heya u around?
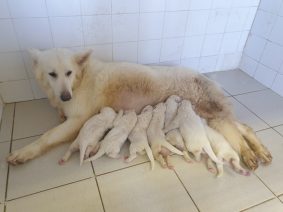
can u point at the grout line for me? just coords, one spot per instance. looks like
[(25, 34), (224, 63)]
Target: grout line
[(258, 204), (251, 92)]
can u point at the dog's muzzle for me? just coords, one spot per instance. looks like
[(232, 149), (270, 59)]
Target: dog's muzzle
[(65, 96)]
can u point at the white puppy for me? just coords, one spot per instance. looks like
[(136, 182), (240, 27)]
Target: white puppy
[(192, 130), (90, 134), (224, 152), (116, 137), (138, 136), (174, 136), (156, 137)]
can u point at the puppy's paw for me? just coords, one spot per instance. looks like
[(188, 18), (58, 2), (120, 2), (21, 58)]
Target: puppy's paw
[(61, 162)]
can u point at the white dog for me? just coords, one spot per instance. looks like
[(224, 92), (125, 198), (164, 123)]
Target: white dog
[(174, 136), (138, 136), (90, 134), (192, 130), (156, 137), (116, 137), (224, 152)]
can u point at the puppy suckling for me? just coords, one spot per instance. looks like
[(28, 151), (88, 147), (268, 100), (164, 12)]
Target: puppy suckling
[(138, 136), (116, 137), (224, 152), (90, 134), (192, 131), (156, 137), (174, 136)]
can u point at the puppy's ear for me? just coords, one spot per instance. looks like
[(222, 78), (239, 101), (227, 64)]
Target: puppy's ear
[(82, 58), (34, 54)]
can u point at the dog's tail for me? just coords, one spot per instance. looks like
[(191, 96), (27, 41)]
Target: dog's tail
[(100, 153), (211, 154), (172, 148), (150, 156)]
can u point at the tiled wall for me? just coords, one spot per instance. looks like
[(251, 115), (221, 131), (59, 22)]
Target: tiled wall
[(263, 54), (207, 35)]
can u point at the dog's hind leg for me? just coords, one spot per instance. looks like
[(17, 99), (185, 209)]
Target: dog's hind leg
[(260, 150)]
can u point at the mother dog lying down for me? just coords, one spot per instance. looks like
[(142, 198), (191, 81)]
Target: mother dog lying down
[(79, 86)]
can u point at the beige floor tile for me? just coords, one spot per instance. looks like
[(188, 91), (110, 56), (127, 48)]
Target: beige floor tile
[(231, 192), (44, 172), (34, 118), (226, 93), (76, 197), (106, 164), (273, 205), (279, 129), (1, 208), (7, 123), (265, 104), (4, 151), (272, 175), (236, 82), (281, 198), (247, 117), (138, 189)]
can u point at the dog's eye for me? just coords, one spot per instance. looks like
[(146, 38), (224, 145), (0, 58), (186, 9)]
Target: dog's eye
[(53, 74), (68, 73)]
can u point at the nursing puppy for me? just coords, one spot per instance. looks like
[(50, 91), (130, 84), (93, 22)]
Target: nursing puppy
[(90, 134), (160, 147), (138, 136), (192, 130), (174, 136), (224, 152), (116, 137)]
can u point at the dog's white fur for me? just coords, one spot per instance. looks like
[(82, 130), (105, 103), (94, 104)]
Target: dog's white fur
[(116, 137), (93, 85), (138, 136), (174, 136), (90, 134), (156, 137), (192, 130)]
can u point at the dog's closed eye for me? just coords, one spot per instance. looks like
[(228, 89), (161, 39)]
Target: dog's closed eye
[(68, 73), (53, 74)]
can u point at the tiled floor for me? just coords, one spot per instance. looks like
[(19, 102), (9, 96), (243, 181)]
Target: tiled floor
[(114, 186)]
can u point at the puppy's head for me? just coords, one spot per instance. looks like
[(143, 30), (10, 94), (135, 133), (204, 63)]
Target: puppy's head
[(59, 70)]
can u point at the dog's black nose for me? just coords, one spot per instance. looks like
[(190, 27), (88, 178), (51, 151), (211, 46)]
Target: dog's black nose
[(65, 96)]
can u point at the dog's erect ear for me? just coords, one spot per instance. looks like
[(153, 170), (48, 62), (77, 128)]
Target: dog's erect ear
[(34, 54), (82, 58)]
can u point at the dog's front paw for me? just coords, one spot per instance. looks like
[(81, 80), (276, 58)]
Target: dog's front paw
[(264, 156), (20, 156), (250, 159)]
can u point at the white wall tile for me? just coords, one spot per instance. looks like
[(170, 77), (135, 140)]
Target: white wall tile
[(150, 26), (254, 47), (276, 34), (149, 51), (230, 42), (11, 67), (278, 84), (101, 51), (175, 24), (219, 4), (174, 5), (37, 90), (271, 6), (243, 40), (192, 63), (245, 3), (28, 64), (67, 31), (200, 4), (15, 91), (272, 56), (208, 64), (237, 19), (27, 8), (125, 51), (280, 13), (97, 29), (4, 10), (8, 40), (125, 27), (217, 21), (197, 21), (33, 33), (152, 6), (262, 24), (125, 6), (248, 65), (63, 7), (192, 46), (265, 75), (93, 7), (171, 49), (281, 69), (211, 45), (250, 18), (228, 61)]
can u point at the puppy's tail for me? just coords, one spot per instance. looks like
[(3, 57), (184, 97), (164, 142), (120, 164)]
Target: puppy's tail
[(100, 153), (172, 148), (150, 156), (211, 154)]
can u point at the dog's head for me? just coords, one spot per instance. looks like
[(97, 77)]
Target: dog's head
[(58, 70)]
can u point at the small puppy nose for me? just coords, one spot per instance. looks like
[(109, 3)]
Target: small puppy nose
[(65, 96)]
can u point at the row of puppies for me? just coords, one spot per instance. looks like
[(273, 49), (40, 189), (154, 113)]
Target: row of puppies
[(170, 127)]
